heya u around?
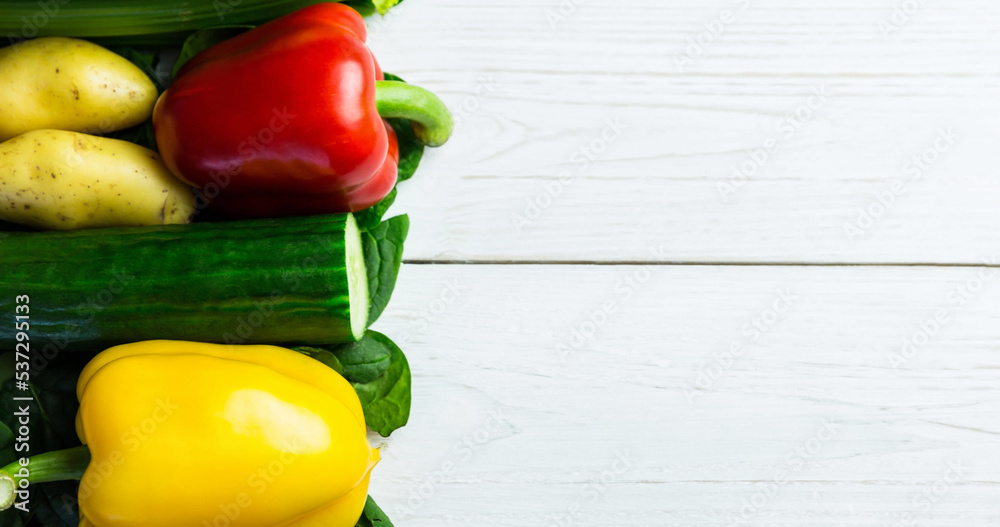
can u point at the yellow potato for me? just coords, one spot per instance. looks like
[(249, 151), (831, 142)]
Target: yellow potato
[(70, 84), (53, 179)]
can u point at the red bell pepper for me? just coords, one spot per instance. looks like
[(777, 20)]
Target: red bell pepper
[(287, 118)]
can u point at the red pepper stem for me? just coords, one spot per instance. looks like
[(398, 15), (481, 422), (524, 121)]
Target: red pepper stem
[(59, 465), (432, 121)]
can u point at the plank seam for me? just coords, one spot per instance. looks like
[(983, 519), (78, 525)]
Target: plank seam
[(696, 263)]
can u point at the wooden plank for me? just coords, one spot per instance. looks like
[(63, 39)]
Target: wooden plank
[(649, 421), (533, 102)]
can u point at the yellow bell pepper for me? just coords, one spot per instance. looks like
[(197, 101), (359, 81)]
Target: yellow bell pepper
[(185, 434)]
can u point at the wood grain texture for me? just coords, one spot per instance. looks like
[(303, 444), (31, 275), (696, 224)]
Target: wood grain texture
[(596, 395), (533, 93), (699, 431)]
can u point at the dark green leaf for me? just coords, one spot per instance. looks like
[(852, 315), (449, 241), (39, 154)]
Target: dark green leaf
[(370, 217), (364, 7), (322, 355), (364, 360), (140, 134), (373, 516), (204, 39), (53, 412), (386, 400), (57, 504), (11, 518), (380, 375), (7, 359), (7, 453), (6, 436), (53, 427), (383, 246), (411, 151)]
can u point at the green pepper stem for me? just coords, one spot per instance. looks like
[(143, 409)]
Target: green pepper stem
[(432, 121), (51, 466)]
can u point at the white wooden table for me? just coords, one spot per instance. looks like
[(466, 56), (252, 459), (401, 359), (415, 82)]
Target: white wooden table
[(701, 263)]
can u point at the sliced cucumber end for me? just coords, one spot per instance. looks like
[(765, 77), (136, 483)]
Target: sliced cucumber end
[(7, 491), (357, 278)]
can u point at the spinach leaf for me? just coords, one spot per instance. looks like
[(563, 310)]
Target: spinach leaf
[(383, 247), (411, 151), (365, 360), (12, 518), (324, 356), (372, 516), (141, 134), (370, 217), (6, 436), (53, 421), (364, 7), (386, 399), (204, 39), (380, 375), (53, 410), (56, 504)]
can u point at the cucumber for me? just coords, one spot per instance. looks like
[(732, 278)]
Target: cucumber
[(150, 22), (278, 281), (142, 23)]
